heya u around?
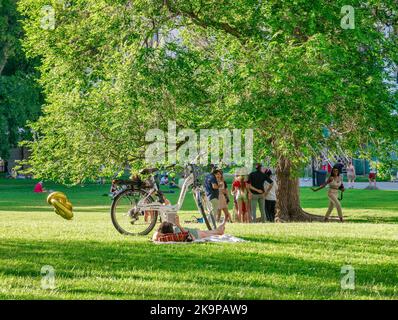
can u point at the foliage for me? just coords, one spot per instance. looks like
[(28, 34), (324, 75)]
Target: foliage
[(286, 69), (20, 96), (9, 31)]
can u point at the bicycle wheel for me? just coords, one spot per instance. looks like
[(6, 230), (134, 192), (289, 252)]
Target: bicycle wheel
[(125, 216)]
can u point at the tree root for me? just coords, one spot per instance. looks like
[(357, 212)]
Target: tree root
[(299, 215)]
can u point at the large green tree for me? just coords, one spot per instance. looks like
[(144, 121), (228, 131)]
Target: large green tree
[(287, 69), (20, 95)]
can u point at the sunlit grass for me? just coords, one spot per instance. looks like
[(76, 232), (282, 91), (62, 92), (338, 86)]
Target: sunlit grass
[(279, 261)]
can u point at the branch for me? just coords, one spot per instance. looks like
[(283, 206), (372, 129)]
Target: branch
[(205, 24)]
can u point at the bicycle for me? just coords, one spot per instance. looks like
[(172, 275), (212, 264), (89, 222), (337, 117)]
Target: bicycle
[(138, 204)]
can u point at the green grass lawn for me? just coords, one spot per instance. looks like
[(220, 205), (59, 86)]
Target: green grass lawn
[(279, 261)]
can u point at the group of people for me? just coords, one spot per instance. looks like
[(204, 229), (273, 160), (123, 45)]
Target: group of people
[(350, 171), (247, 191), (170, 181)]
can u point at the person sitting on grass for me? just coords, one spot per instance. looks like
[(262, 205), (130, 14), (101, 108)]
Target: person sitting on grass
[(39, 188), (172, 183), (167, 232)]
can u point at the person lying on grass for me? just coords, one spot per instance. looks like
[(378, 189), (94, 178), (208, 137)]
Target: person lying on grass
[(168, 233)]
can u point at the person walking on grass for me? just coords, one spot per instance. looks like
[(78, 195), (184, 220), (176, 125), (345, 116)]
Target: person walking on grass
[(223, 200), (335, 183), (167, 232), (256, 184)]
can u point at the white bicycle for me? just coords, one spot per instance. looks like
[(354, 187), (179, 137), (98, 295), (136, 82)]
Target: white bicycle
[(138, 204)]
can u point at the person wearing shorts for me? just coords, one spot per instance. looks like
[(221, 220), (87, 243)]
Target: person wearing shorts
[(240, 190)]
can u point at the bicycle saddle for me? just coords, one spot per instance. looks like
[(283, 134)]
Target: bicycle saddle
[(149, 170)]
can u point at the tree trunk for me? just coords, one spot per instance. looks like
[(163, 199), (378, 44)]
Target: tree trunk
[(288, 207)]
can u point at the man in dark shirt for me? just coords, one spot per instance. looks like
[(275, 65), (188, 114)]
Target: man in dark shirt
[(256, 182), (212, 192)]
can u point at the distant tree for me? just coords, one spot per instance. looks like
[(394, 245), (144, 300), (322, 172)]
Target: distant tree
[(20, 95)]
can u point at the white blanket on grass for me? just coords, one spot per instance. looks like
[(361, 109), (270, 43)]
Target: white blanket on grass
[(223, 238)]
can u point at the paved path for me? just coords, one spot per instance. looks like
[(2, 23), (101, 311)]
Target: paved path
[(359, 185)]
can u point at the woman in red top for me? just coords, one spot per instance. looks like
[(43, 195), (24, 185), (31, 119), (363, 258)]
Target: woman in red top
[(39, 188), (241, 192), (372, 178)]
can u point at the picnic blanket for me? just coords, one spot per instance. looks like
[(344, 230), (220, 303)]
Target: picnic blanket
[(224, 238)]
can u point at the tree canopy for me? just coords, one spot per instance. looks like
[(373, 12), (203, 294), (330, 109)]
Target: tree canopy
[(111, 70)]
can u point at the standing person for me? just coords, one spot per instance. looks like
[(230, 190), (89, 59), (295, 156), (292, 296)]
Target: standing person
[(351, 175), (240, 190), (270, 189), (213, 192), (236, 216), (256, 185), (223, 200), (335, 183)]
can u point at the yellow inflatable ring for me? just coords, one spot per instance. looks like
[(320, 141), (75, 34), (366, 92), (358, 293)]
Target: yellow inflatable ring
[(61, 204)]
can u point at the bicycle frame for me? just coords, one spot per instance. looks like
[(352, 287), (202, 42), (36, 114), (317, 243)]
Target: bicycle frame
[(162, 208), (153, 201)]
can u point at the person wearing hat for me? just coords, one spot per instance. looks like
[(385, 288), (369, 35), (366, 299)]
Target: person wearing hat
[(256, 184)]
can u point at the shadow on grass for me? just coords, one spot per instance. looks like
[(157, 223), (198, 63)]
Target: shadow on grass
[(210, 265)]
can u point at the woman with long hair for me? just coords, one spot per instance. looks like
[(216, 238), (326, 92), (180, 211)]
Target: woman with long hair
[(240, 190), (335, 183)]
